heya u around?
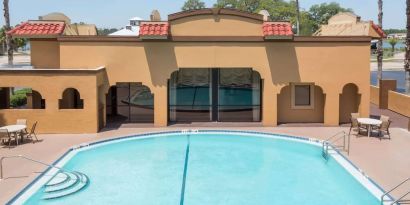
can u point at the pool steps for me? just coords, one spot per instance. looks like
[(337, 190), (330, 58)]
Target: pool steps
[(60, 178), (64, 184)]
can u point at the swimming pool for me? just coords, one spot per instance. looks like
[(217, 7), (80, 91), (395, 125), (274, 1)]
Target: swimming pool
[(209, 167)]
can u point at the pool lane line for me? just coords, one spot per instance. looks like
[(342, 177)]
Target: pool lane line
[(181, 202)]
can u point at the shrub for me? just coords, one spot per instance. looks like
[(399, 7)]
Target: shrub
[(19, 98)]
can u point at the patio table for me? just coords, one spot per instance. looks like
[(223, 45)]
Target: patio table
[(369, 122), (14, 129)]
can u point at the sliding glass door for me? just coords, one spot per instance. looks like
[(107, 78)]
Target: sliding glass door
[(239, 96), (189, 95), (205, 94), (130, 102)]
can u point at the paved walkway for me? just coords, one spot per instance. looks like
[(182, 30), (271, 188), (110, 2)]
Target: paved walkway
[(386, 161), (397, 119)]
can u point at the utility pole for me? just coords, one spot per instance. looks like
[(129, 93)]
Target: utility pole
[(297, 18)]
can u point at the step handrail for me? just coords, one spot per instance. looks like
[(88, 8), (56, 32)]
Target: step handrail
[(400, 199), (394, 188), (335, 138), (26, 158)]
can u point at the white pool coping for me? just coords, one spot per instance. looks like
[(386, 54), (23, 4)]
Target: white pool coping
[(358, 174)]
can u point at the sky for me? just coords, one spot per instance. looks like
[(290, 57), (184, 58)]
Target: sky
[(115, 13)]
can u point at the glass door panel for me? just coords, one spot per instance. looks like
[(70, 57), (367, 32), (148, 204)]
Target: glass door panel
[(238, 95), (189, 95), (141, 103), (135, 103)]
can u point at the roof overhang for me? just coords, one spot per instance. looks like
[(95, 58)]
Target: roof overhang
[(324, 39), (38, 29)]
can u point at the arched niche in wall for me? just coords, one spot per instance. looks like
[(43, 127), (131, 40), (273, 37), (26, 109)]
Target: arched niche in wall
[(71, 99), (349, 101)]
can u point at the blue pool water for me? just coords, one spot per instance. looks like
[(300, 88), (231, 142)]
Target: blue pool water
[(220, 169)]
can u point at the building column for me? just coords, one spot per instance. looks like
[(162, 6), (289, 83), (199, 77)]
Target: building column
[(331, 110), (160, 106), (269, 105)]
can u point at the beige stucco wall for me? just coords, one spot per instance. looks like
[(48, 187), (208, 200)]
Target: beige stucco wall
[(45, 53), (216, 25), (374, 95), (330, 65), (287, 114), (399, 103), (51, 86)]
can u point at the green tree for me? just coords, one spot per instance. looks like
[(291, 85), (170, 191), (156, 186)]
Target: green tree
[(193, 5), (393, 42), (105, 31), (244, 5), (16, 42), (392, 30), (281, 10), (19, 43), (321, 13)]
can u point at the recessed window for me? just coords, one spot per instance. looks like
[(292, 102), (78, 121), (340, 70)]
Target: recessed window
[(302, 96)]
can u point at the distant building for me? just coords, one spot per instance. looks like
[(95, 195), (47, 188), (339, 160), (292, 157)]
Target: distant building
[(70, 29), (349, 24), (132, 29), (400, 36)]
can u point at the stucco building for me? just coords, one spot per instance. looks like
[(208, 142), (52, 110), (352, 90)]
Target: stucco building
[(203, 65)]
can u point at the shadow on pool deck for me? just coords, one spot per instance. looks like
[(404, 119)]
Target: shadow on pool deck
[(397, 119)]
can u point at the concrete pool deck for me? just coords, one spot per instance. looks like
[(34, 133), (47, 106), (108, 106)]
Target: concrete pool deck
[(386, 161)]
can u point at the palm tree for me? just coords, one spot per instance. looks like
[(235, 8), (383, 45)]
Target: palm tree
[(393, 42), (7, 28), (380, 43), (407, 58), (297, 17)]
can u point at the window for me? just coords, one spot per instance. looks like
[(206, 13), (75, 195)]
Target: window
[(302, 96), (134, 23), (20, 98)]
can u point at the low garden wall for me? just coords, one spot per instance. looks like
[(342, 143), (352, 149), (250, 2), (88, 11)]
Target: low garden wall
[(399, 103), (374, 95)]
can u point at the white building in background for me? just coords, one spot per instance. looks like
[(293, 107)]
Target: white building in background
[(400, 36), (132, 29)]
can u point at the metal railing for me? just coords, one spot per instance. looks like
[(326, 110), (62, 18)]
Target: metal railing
[(332, 141), (400, 199), (26, 158)]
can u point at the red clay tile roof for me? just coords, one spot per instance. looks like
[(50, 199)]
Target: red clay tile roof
[(160, 29), (38, 28), (378, 30), (280, 29)]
